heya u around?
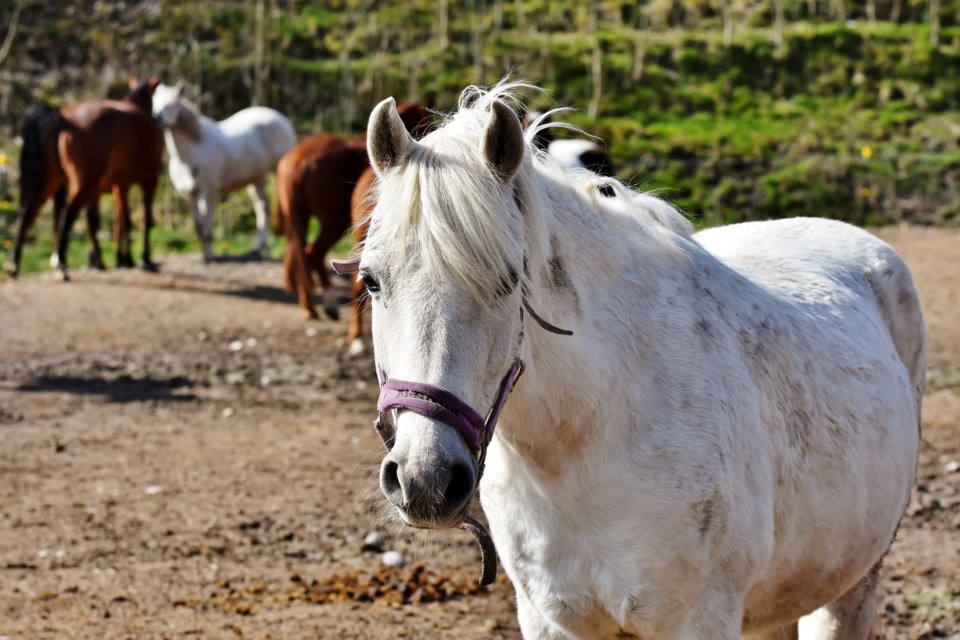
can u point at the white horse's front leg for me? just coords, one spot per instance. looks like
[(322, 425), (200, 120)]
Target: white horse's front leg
[(534, 626), (258, 196), (202, 207)]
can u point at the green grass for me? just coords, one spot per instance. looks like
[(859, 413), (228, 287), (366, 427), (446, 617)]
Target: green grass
[(164, 242)]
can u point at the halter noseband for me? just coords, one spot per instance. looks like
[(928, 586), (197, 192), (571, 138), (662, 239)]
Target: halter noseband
[(436, 403)]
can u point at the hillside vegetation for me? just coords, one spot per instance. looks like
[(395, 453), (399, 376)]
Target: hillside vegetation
[(735, 109)]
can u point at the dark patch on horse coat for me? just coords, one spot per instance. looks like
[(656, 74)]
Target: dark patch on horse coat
[(710, 512), (559, 280)]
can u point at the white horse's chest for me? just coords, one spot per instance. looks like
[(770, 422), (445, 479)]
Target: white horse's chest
[(183, 178), (590, 572)]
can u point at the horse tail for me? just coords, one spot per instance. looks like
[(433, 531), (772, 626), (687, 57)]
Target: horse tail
[(41, 124)]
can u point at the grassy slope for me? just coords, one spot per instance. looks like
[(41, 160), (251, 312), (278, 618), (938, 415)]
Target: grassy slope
[(845, 121)]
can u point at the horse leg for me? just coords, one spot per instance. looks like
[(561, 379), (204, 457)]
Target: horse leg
[(849, 617), (533, 624), (58, 260), (122, 227), (93, 228), (329, 234), (355, 333), (201, 206), (258, 196), (295, 264), (147, 190), (25, 220)]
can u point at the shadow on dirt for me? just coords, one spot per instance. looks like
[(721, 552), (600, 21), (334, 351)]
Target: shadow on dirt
[(216, 282), (121, 389)]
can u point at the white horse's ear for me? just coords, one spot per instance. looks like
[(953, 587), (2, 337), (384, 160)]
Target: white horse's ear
[(179, 87), (502, 142), (388, 142)]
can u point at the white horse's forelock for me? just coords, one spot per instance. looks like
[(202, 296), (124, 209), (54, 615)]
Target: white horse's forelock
[(450, 204)]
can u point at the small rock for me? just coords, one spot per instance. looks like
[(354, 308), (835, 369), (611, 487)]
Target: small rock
[(228, 412), (236, 345), (265, 381), (202, 336), (952, 466), (311, 332), (251, 342), (373, 542), (154, 489), (393, 559)]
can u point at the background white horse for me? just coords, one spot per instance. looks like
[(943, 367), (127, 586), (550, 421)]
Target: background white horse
[(571, 153), (725, 444), (208, 158)]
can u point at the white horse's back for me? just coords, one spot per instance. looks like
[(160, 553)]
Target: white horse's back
[(788, 250), (260, 126)]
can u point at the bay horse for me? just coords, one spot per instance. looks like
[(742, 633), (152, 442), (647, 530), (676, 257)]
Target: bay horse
[(715, 439), (74, 154), (207, 158), (316, 179)]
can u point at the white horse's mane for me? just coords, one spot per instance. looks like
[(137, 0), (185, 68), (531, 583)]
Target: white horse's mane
[(449, 203)]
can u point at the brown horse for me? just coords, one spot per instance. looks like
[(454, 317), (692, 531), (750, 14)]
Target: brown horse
[(316, 179), (80, 151)]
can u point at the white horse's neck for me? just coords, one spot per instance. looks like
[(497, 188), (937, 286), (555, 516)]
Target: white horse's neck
[(179, 144), (578, 272)]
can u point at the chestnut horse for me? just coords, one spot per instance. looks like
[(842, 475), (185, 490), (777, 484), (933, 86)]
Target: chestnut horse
[(80, 151), (316, 179)]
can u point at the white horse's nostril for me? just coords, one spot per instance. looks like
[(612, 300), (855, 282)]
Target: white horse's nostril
[(428, 496)]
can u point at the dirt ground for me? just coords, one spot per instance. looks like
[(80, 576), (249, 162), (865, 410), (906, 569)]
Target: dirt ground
[(181, 455)]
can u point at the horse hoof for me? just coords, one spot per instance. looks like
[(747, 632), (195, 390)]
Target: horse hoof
[(310, 314), (11, 268), (61, 276), (149, 266), (332, 312), (357, 347)]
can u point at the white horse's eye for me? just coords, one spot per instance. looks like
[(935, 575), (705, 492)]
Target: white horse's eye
[(370, 282)]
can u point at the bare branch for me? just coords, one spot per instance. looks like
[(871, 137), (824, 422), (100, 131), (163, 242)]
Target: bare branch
[(11, 31)]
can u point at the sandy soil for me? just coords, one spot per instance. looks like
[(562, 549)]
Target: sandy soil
[(183, 456)]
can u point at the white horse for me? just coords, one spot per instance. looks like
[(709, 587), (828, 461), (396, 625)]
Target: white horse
[(570, 154), (208, 158), (724, 445)]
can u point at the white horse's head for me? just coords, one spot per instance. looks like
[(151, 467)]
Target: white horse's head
[(173, 111), (444, 264)]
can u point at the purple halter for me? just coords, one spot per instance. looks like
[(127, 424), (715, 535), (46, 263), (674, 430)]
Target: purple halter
[(437, 403)]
